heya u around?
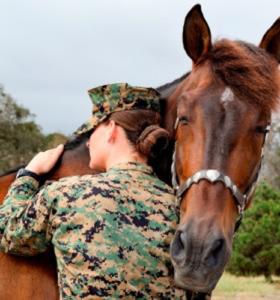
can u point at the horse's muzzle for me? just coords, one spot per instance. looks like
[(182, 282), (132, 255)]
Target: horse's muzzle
[(199, 258)]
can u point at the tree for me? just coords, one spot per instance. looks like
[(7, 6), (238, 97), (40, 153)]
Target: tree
[(257, 244), (20, 137)]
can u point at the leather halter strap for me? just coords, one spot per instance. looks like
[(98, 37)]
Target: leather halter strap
[(214, 176)]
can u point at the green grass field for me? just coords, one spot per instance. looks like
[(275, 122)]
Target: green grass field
[(246, 288)]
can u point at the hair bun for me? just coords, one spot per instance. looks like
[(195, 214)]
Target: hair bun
[(153, 140)]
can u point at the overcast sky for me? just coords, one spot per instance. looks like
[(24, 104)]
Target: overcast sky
[(53, 51)]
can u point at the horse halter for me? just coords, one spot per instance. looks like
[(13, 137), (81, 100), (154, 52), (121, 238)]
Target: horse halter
[(214, 176)]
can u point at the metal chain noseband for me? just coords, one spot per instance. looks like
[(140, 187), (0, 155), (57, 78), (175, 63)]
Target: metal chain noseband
[(214, 176)]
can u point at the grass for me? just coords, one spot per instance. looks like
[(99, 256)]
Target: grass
[(246, 288)]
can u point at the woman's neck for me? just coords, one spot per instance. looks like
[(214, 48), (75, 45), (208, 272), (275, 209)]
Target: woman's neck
[(134, 157)]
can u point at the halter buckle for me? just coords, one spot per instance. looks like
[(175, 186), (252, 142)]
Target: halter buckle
[(239, 221), (241, 210)]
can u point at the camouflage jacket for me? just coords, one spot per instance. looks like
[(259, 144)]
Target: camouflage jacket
[(111, 232)]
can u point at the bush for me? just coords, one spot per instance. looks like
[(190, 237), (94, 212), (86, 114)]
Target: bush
[(257, 244)]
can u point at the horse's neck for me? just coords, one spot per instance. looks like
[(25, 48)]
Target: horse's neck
[(73, 162), (168, 89), (5, 183), (169, 95), (168, 102)]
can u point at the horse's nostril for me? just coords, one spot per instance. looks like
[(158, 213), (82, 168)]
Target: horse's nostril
[(177, 247), (216, 253)]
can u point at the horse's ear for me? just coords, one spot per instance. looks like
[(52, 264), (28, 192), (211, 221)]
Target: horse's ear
[(196, 35), (271, 40)]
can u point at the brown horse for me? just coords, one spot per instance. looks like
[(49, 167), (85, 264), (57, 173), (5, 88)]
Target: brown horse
[(223, 111), (223, 132)]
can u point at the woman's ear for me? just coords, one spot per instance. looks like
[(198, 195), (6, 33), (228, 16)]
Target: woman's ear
[(112, 131)]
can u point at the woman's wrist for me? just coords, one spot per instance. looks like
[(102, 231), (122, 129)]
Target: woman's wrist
[(25, 172)]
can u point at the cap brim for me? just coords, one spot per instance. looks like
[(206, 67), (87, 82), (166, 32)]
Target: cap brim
[(91, 124)]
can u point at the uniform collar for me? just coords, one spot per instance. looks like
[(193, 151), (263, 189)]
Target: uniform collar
[(132, 166)]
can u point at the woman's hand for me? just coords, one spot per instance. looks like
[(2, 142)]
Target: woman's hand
[(43, 162)]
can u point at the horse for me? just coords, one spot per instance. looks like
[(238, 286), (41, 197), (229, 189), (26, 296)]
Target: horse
[(219, 136), (221, 116)]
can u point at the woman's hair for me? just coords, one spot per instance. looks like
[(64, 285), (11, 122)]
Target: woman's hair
[(142, 130)]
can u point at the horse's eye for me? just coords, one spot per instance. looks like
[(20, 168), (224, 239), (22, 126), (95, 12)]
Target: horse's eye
[(260, 130), (184, 120)]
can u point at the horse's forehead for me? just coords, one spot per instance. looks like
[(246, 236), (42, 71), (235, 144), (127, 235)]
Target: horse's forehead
[(204, 93), (227, 96)]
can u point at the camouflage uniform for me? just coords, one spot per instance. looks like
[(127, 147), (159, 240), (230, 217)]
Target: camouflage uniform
[(111, 232)]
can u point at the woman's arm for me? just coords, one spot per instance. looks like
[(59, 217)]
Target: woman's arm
[(24, 215), (24, 218)]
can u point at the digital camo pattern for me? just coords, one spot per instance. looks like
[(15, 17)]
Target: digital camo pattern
[(110, 98), (111, 232)]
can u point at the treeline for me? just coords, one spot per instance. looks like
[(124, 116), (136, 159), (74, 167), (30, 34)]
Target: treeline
[(20, 137)]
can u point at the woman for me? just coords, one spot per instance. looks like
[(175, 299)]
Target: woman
[(111, 232)]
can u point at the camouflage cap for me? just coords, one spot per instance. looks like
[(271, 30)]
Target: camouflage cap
[(111, 98)]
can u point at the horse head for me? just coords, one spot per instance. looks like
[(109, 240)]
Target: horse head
[(222, 112)]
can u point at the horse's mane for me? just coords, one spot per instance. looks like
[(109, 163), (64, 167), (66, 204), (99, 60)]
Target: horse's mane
[(171, 85), (251, 72), (75, 141)]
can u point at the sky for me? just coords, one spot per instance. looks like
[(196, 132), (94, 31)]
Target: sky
[(52, 52)]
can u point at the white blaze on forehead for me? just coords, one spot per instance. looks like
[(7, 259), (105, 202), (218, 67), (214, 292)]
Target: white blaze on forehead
[(227, 96)]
